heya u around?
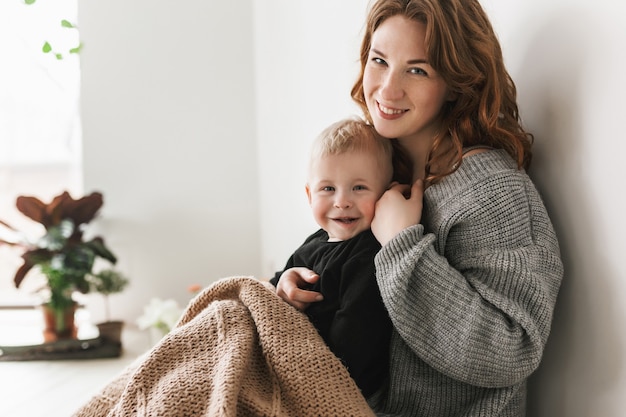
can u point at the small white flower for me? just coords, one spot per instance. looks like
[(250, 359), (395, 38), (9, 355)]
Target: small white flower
[(161, 314)]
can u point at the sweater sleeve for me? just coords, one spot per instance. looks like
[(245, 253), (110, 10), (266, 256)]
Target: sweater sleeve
[(474, 298)]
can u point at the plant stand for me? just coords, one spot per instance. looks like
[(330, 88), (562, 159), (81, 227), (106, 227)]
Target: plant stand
[(62, 349), (21, 339)]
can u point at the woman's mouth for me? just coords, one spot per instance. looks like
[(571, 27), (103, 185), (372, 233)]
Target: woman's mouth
[(389, 112)]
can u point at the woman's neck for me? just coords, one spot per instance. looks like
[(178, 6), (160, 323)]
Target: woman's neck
[(418, 151)]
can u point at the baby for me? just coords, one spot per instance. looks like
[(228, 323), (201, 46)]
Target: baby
[(349, 170)]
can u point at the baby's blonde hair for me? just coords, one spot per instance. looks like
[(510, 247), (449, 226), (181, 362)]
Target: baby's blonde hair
[(350, 135)]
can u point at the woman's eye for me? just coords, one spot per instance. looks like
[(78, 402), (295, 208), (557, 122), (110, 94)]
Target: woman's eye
[(418, 71), (379, 61)]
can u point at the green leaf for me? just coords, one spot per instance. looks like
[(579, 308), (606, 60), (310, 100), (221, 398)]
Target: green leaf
[(77, 49), (98, 247), (67, 24), (46, 48), (107, 282), (29, 1), (59, 56), (57, 236)]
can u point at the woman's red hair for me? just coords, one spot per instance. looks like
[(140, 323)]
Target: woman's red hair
[(463, 48)]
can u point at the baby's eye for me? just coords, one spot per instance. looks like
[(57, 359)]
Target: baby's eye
[(360, 187), (328, 188)]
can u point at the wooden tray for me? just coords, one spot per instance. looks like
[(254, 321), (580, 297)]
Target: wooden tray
[(62, 349)]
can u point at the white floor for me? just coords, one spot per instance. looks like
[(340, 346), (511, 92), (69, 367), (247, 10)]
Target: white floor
[(57, 388)]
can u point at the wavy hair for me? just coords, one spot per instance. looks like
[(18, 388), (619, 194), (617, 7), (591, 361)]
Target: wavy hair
[(463, 48)]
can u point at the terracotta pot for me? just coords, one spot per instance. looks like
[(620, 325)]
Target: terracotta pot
[(111, 331), (59, 324)]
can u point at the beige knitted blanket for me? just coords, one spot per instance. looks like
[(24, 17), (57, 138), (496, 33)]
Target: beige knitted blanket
[(238, 350)]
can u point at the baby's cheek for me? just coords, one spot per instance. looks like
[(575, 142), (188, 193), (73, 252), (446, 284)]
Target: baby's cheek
[(368, 211)]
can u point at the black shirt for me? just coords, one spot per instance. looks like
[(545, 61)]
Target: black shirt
[(352, 318)]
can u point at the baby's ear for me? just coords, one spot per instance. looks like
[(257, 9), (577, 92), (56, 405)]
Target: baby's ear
[(308, 192)]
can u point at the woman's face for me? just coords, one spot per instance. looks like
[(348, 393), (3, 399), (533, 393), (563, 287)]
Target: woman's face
[(403, 93)]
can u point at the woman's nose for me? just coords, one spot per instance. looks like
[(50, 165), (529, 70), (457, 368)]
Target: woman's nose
[(391, 86)]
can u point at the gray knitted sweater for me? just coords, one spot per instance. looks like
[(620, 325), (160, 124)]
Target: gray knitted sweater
[(471, 292)]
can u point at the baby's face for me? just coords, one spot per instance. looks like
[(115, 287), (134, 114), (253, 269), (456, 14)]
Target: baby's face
[(343, 190)]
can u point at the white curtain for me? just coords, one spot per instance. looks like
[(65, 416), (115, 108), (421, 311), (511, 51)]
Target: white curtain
[(40, 132)]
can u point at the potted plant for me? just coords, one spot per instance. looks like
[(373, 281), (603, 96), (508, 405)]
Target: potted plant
[(107, 282), (62, 254)]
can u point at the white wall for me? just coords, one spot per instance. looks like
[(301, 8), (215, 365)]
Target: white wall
[(169, 138), (306, 61), (567, 58), (170, 106)]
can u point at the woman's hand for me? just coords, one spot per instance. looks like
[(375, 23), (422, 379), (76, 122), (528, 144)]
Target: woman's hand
[(290, 287), (394, 212)]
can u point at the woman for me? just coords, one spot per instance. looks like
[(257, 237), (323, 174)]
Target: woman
[(470, 266)]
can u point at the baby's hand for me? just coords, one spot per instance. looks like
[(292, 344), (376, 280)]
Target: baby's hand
[(291, 287)]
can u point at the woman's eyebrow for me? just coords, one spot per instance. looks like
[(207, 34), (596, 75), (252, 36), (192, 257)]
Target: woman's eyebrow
[(410, 62)]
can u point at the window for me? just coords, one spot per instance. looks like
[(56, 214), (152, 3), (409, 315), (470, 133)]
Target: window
[(40, 131)]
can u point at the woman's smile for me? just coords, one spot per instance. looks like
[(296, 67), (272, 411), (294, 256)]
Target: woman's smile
[(388, 111)]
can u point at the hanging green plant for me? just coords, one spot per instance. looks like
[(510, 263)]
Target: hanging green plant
[(47, 47)]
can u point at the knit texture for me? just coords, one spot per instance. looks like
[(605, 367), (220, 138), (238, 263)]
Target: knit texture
[(238, 350), (471, 293)]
